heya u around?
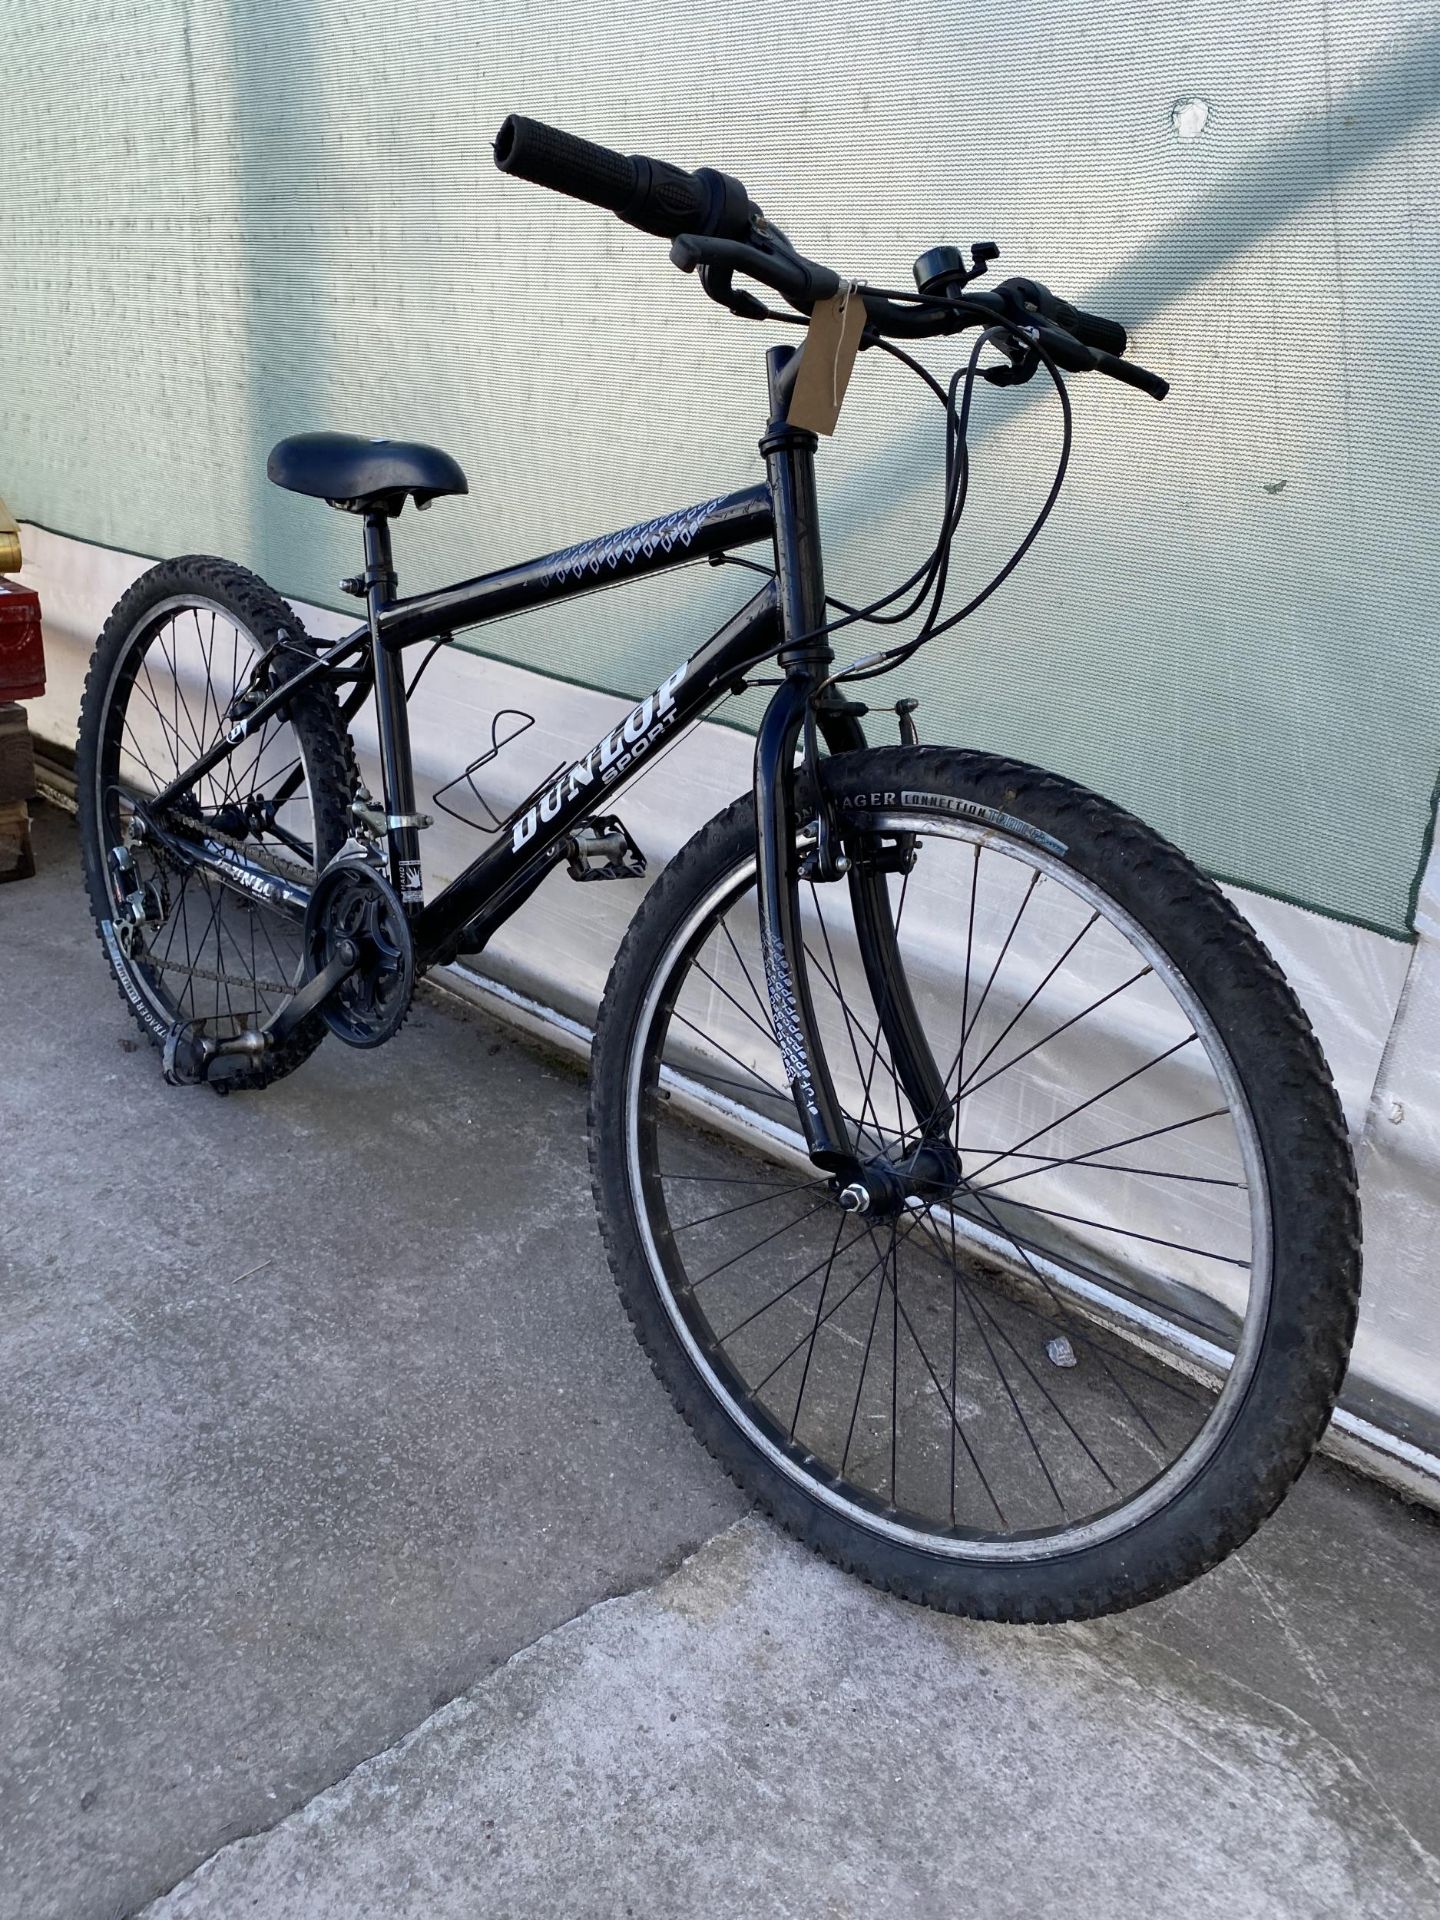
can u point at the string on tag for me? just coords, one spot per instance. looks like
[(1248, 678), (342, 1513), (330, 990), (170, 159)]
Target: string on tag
[(847, 287)]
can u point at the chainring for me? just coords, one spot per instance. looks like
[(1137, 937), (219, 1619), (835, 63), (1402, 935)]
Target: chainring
[(354, 899)]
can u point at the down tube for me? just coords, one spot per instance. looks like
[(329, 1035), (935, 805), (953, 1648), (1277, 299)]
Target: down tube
[(492, 887)]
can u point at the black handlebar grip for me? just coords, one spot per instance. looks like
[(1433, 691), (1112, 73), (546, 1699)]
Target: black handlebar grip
[(532, 151), (649, 194), (1106, 336)]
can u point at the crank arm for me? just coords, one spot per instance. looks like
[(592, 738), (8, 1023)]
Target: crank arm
[(190, 1057), (315, 990)]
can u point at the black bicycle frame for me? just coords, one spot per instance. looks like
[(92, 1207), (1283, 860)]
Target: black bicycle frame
[(783, 621)]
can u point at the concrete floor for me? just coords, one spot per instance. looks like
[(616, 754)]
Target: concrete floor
[(326, 1456)]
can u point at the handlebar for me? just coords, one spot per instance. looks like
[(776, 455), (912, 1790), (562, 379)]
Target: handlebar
[(716, 228), (648, 194)]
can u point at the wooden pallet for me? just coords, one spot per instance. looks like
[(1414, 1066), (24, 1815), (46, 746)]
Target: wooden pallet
[(17, 784)]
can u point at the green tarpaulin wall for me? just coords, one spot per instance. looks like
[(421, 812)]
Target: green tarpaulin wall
[(223, 223)]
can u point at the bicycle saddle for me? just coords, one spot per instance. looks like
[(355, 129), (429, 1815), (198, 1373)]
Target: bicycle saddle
[(364, 476)]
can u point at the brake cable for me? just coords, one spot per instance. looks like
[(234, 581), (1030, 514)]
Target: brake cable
[(870, 666), (929, 580)]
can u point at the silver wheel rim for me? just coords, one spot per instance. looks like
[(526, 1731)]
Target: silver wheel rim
[(137, 643)]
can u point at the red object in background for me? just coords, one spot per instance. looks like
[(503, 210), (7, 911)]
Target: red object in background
[(22, 651)]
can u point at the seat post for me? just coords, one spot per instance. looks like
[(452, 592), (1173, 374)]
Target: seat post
[(379, 560), (392, 720)]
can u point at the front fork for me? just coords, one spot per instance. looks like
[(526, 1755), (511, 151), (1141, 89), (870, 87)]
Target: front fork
[(806, 657), (779, 821)]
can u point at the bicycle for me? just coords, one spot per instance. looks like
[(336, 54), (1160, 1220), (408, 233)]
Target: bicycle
[(1006, 1252)]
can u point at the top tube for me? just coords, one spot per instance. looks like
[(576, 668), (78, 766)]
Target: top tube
[(672, 540)]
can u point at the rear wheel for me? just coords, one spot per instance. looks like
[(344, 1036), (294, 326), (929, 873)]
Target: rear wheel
[(1086, 1371), (185, 948)]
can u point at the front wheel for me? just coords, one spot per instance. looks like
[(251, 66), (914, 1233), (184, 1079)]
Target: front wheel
[(1090, 1367)]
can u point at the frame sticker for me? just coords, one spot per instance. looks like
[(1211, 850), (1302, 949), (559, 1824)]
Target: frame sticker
[(608, 758), (612, 550)]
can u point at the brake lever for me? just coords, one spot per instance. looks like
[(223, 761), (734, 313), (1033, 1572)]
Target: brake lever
[(1019, 369), (1073, 356), (801, 282), (719, 285), (1131, 375)]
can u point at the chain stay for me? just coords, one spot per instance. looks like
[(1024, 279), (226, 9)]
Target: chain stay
[(264, 856)]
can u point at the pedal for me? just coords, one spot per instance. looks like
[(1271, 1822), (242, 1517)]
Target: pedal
[(192, 1058), (187, 1055), (602, 849)]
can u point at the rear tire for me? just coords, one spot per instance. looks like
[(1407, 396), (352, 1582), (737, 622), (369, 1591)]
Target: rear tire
[(1294, 1338), (175, 648)]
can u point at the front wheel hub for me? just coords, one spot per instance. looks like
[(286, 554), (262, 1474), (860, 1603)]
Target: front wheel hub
[(930, 1173)]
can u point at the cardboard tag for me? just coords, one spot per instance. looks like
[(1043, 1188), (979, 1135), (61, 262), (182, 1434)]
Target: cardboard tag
[(827, 360)]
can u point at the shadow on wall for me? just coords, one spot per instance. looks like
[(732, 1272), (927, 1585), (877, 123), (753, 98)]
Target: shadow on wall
[(1248, 733), (1299, 168), (278, 85)]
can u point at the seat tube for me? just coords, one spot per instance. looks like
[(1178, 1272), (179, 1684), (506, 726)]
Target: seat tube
[(392, 721), (790, 467)]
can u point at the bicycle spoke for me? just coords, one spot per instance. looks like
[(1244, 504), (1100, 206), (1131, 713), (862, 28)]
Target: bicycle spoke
[(764, 1200), (865, 1360), (973, 1397), (1048, 1162), (1104, 1093), (735, 1059), (727, 1179), (825, 1320), (1033, 1377), (760, 1000), (1064, 1027), (957, 1289), (1129, 1233), (852, 1023), (969, 961), (744, 1254), (966, 1032), (1073, 1330), (815, 1330), (785, 1293), (955, 1427), (138, 756), (751, 1087), (203, 954), (969, 1085), (745, 1013), (182, 702), (881, 1012)]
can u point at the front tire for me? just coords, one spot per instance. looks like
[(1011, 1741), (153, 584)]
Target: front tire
[(1119, 1387)]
